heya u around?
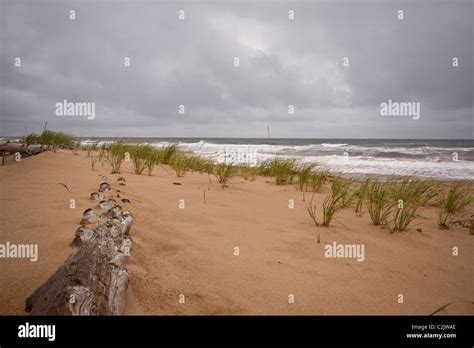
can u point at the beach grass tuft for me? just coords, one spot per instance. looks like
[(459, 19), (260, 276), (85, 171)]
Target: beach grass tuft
[(139, 155), (311, 209), (114, 155), (283, 170), (402, 216), (304, 173), (341, 186), (317, 180), (412, 190), (378, 204), (151, 160), (408, 194), (51, 138), (167, 153), (196, 163), (338, 199), (451, 203), (224, 172), (248, 173), (178, 162), (360, 196)]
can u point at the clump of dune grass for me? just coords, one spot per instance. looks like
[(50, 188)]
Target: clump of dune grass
[(178, 162), (408, 194), (223, 172), (341, 186), (51, 138), (331, 205), (304, 175), (248, 173), (196, 163), (317, 180), (151, 160), (378, 202), (452, 203), (402, 215), (337, 200), (139, 155), (311, 209), (412, 190), (209, 169), (167, 153), (114, 155), (360, 196), (395, 203), (283, 170), (57, 138), (31, 139)]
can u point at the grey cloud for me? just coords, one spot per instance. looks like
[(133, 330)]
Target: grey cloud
[(282, 62)]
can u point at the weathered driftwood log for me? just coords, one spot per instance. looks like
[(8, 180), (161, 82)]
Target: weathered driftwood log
[(94, 280), (13, 148), (23, 149)]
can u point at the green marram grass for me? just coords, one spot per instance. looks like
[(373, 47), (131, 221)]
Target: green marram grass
[(360, 196), (178, 162), (139, 155), (167, 153), (452, 203), (317, 180), (283, 170), (407, 196), (311, 209), (224, 172), (396, 203), (152, 160), (331, 205), (51, 138), (340, 189), (304, 173), (248, 173), (196, 163), (341, 186), (401, 216), (114, 154), (411, 190), (340, 193), (378, 203)]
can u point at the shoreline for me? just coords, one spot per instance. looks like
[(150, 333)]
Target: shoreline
[(390, 158)]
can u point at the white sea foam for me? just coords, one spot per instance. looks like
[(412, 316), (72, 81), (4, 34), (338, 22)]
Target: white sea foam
[(434, 162), (380, 159)]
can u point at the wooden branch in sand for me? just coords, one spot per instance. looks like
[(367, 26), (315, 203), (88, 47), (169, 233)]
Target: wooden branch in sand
[(12, 148), (94, 280)]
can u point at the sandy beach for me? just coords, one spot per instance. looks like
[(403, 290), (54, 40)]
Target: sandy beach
[(191, 251)]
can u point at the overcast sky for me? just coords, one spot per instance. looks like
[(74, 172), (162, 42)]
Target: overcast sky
[(190, 62)]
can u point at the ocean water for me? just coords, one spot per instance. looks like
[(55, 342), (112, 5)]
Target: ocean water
[(437, 159)]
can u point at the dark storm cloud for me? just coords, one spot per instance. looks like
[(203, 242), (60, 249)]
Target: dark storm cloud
[(282, 62)]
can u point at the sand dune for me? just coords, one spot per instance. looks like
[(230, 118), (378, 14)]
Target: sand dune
[(190, 251)]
